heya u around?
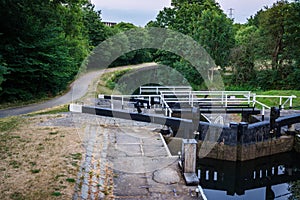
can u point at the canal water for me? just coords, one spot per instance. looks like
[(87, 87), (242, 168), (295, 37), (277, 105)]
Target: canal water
[(274, 177)]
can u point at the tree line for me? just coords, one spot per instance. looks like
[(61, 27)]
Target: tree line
[(262, 54), (43, 44)]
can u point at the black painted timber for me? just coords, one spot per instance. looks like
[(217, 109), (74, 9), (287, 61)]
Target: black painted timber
[(235, 134)]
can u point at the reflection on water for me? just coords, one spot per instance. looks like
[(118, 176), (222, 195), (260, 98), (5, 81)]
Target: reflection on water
[(274, 177)]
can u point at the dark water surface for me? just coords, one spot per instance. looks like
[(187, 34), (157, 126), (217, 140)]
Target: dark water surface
[(274, 177)]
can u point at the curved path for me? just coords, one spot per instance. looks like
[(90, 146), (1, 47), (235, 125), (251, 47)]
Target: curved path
[(78, 89)]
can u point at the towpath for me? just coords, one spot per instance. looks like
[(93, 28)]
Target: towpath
[(77, 90)]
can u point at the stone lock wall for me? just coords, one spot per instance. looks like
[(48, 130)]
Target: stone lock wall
[(241, 141)]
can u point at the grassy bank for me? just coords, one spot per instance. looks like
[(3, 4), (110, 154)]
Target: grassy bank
[(275, 101)]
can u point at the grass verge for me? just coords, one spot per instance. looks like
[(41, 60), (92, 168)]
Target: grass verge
[(275, 101)]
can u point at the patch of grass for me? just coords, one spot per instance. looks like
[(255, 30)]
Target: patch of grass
[(76, 156), (275, 101), (56, 194), (15, 137), (40, 148), (110, 80), (35, 171), (53, 133), (58, 176), (17, 196), (10, 123), (14, 164), (74, 164), (70, 180), (55, 110)]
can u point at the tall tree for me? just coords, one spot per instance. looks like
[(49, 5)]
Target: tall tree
[(271, 23), (205, 22), (243, 55), (96, 30), (43, 44)]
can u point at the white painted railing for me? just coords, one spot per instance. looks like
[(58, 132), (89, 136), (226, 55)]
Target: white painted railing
[(157, 89), (167, 107), (212, 97), (283, 100), (184, 94), (123, 97)]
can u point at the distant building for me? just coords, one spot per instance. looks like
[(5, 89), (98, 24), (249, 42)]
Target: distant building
[(110, 23)]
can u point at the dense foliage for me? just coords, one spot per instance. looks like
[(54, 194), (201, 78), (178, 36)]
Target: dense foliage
[(43, 43), (267, 51), (206, 23)]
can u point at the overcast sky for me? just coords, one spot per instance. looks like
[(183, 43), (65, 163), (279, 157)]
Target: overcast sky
[(140, 12)]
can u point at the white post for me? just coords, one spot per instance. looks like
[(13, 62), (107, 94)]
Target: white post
[(249, 96), (254, 99), (226, 100), (192, 100), (291, 102), (75, 108), (170, 112), (222, 97), (280, 102), (112, 102)]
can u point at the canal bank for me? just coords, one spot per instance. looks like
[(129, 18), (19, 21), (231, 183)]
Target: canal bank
[(127, 160)]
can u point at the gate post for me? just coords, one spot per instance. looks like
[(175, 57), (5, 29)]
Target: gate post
[(189, 157)]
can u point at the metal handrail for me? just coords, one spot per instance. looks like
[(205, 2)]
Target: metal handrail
[(157, 89), (184, 94), (288, 99)]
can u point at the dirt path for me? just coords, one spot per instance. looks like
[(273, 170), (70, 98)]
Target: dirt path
[(78, 89)]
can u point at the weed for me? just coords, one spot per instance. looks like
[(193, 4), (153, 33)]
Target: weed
[(116, 175), (59, 175), (35, 171), (70, 180), (14, 164), (40, 148), (56, 194), (53, 133), (16, 196), (55, 110), (76, 156)]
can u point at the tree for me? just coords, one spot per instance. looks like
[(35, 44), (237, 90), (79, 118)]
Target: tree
[(271, 23), (3, 71), (243, 55), (96, 30), (292, 30), (137, 38), (43, 44), (215, 33), (205, 22)]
